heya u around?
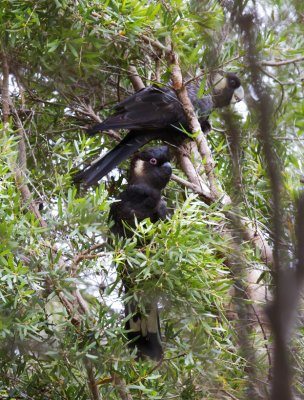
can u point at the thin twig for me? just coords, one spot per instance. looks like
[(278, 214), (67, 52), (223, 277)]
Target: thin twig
[(273, 63), (156, 44), (229, 394)]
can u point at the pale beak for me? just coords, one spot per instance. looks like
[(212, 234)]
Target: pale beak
[(238, 95)]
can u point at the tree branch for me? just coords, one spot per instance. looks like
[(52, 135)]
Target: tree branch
[(121, 387), (273, 63), (5, 89), (156, 44), (204, 194), (194, 124), (281, 311), (135, 78), (87, 110)]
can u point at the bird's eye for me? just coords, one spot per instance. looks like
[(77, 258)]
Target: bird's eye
[(153, 161), (232, 83)]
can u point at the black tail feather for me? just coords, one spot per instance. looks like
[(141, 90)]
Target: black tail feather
[(129, 145), (95, 129), (144, 332), (114, 122), (103, 126)]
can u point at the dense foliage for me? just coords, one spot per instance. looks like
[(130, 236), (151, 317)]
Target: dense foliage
[(68, 65)]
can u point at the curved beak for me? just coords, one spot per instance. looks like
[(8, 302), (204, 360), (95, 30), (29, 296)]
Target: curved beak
[(238, 95), (166, 167)]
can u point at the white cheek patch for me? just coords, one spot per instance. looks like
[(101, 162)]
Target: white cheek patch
[(139, 168), (219, 82)]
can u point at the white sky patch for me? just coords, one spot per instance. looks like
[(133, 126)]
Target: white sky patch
[(95, 280), (242, 109)]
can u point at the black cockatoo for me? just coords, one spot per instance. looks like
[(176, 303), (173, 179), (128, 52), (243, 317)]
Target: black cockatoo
[(156, 113), (150, 172)]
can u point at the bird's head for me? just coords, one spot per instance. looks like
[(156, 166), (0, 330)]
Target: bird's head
[(152, 166), (226, 89)]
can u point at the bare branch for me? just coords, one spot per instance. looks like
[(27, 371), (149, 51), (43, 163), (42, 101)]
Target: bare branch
[(204, 194), (135, 78), (121, 387), (92, 381), (254, 235), (282, 62), (5, 89), (194, 124), (87, 110), (229, 394), (75, 320), (187, 166), (20, 170), (156, 44)]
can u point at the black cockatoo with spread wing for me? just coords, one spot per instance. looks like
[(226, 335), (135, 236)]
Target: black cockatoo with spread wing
[(155, 113)]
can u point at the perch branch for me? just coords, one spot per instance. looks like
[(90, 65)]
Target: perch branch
[(194, 124), (135, 78), (204, 194)]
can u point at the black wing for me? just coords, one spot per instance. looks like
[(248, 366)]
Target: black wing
[(149, 108), (126, 147)]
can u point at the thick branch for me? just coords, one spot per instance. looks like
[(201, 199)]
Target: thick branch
[(121, 387), (194, 124), (5, 89), (135, 78), (92, 381), (188, 167)]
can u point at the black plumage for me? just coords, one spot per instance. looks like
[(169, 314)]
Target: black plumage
[(149, 173), (156, 113)]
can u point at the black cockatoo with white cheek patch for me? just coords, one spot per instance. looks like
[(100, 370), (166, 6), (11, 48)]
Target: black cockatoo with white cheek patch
[(149, 174), (155, 113)]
